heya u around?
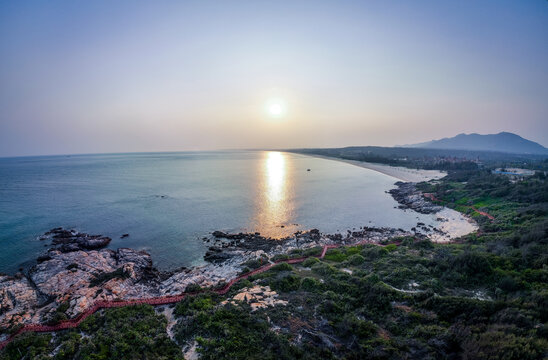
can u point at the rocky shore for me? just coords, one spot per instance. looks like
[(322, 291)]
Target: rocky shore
[(410, 197), (451, 223), (73, 274), (77, 270)]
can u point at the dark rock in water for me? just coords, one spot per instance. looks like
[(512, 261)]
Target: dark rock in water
[(95, 242), (53, 230), (43, 258), (71, 240), (124, 236), (63, 234)]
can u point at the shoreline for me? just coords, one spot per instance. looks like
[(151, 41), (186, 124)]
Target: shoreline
[(398, 172), (453, 224), (81, 272), (82, 278), (163, 300)]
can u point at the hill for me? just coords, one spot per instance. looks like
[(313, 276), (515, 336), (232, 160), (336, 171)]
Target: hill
[(502, 142)]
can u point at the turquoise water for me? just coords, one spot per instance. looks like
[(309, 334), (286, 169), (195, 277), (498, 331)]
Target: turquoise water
[(168, 201)]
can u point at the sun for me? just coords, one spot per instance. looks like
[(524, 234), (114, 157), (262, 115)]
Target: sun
[(276, 108)]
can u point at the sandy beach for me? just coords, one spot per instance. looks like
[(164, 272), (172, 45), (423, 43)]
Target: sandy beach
[(453, 225), (398, 172)]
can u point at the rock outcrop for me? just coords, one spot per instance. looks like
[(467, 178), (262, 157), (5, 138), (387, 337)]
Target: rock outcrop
[(72, 240), (410, 197), (17, 298), (81, 276), (258, 297)]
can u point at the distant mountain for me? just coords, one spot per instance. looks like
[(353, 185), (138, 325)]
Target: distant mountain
[(502, 142)]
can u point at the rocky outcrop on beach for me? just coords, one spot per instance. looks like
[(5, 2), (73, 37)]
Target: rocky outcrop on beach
[(410, 197)]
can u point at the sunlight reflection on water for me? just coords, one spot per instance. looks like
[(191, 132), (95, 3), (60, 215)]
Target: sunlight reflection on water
[(274, 203)]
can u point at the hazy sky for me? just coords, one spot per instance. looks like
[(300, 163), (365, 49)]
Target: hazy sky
[(114, 76)]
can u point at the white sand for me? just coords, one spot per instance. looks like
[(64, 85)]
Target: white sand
[(454, 225), (398, 172)]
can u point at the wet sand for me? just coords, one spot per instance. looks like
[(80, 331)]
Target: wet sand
[(398, 172), (454, 223)]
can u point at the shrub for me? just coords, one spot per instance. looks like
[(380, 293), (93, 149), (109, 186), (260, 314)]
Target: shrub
[(279, 257), (310, 284), (282, 267), (472, 264), (252, 264), (193, 288), (374, 252), (335, 255), (310, 261), (356, 260), (27, 345), (323, 269), (194, 304), (63, 307), (315, 251), (391, 247), (104, 277), (287, 283)]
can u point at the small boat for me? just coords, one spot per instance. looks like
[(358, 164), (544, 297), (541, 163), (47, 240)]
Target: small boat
[(307, 169)]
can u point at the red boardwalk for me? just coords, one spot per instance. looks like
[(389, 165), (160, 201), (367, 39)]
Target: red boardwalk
[(162, 300)]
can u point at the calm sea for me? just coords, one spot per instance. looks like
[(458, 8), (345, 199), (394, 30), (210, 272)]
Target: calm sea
[(168, 201)]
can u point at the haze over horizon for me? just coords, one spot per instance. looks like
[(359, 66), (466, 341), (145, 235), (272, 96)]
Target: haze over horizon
[(100, 77)]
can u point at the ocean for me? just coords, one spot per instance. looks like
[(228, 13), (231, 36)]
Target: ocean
[(167, 202)]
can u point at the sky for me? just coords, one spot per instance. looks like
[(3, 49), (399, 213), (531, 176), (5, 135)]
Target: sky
[(130, 76)]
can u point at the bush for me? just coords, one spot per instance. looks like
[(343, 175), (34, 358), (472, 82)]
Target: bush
[(310, 261), (315, 251), (194, 304), (472, 264), (310, 284), (193, 288), (335, 255), (28, 345), (356, 260), (133, 332), (282, 267), (391, 247), (104, 277), (374, 252), (287, 283), (63, 307), (230, 332), (323, 269), (279, 257), (252, 264)]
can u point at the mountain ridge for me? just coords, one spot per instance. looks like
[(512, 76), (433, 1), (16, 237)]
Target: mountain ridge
[(502, 142)]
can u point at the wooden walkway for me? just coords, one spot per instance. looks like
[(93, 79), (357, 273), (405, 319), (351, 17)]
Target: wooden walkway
[(161, 300)]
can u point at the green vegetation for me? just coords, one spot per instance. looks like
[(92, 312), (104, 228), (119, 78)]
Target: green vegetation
[(104, 277), (483, 297), (134, 332)]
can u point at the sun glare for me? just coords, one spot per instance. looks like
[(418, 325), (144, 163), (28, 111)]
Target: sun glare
[(275, 108)]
